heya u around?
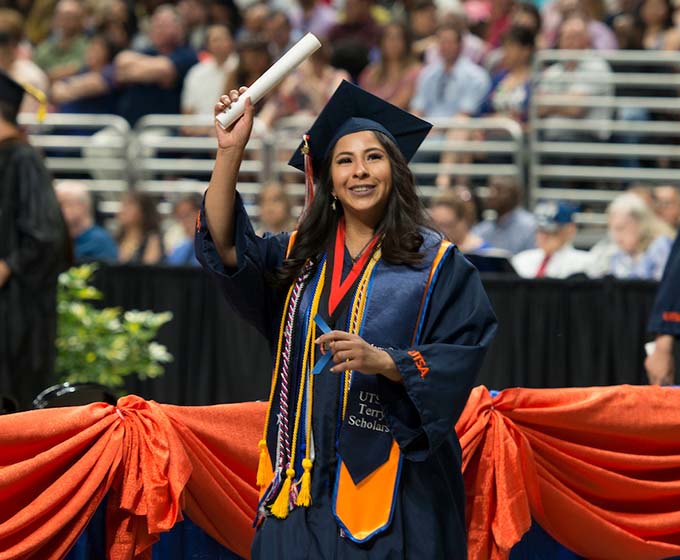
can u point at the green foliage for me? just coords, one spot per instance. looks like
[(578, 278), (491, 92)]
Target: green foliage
[(104, 345)]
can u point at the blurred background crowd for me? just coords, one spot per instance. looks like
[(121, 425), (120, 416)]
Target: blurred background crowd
[(438, 59)]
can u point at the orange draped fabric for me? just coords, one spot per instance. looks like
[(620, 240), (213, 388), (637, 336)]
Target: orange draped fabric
[(154, 460), (598, 468)]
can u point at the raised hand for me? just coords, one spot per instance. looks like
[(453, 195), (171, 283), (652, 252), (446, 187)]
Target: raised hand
[(237, 135)]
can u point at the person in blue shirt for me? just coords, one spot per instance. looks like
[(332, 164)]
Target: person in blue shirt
[(185, 212), (513, 228), (90, 241), (377, 328), (152, 80)]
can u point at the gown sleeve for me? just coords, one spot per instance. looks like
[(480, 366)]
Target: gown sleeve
[(665, 317), (439, 373), (245, 287), (40, 250)]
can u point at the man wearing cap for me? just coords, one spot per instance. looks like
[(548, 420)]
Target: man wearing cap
[(33, 243), (661, 364), (555, 256)]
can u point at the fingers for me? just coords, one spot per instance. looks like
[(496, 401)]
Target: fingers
[(232, 96), (343, 356), (347, 366), (335, 335)]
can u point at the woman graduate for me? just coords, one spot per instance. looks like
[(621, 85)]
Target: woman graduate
[(377, 327)]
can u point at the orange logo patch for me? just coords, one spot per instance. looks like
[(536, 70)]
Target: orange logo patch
[(419, 361), (198, 221), (671, 316)]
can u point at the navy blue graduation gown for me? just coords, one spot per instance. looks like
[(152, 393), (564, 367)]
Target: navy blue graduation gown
[(665, 318), (429, 514)]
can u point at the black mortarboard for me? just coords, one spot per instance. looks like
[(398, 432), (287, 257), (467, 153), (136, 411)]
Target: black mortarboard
[(352, 109), (11, 93)]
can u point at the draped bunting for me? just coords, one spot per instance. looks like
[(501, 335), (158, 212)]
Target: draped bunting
[(154, 460), (597, 468)]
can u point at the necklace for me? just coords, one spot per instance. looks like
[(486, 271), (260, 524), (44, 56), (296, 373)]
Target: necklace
[(358, 256)]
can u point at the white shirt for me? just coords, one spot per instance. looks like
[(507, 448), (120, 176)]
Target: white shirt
[(564, 263), (204, 84)]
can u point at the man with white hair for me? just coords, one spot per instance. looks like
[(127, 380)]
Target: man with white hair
[(153, 79), (90, 241)]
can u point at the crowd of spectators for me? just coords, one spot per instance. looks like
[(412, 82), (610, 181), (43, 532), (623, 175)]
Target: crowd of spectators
[(435, 58)]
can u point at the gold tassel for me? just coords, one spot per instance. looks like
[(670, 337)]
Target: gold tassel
[(280, 506), (305, 496), (40, 97), (262, 465)]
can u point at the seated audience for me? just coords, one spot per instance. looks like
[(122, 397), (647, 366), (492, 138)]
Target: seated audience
[(275, 209), (19, 68), (554, 256), (452, 217), (185, 213), (91, 90), (206, 81), (194, 14), (278, 32), (394, 75), (667, 204), (513, 228), (508, 96), (255, 17), (90, 241), (555, 81), (139, 236), (510, 88), (643, 242), (425, 46), (657, 18), (354, 37), (116, 20), (451, 86), (62, 54), (600, 36), (152, 79), (254, 60), (312, 16)]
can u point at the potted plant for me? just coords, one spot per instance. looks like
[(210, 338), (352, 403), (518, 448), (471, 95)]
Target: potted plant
[(104, 346)]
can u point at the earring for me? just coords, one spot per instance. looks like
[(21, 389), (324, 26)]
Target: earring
[(335, 198)]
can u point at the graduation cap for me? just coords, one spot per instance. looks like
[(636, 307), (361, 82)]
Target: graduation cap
[(12, 94), (352, 109), (550, 216)]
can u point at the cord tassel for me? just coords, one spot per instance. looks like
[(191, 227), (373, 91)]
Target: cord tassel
[(309, 177), (280, 507), (305, 495), (262, 465)]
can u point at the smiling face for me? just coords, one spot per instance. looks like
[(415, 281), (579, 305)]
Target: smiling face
[(362, 177)]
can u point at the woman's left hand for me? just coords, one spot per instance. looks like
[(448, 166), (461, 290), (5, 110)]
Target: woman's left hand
[(351, 352)]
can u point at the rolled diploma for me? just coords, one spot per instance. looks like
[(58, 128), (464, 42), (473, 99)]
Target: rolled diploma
[(265, 83)]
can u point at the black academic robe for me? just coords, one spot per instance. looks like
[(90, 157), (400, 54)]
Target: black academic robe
[(429, 519), (33, 241), (665, 318)]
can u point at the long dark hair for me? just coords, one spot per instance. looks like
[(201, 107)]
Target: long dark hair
[(400, 226)]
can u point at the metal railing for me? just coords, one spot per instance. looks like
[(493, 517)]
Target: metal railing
[(90, 147), (618, 139)]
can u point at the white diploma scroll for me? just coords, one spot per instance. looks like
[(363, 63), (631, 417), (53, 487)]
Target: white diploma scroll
[(265, 83)]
